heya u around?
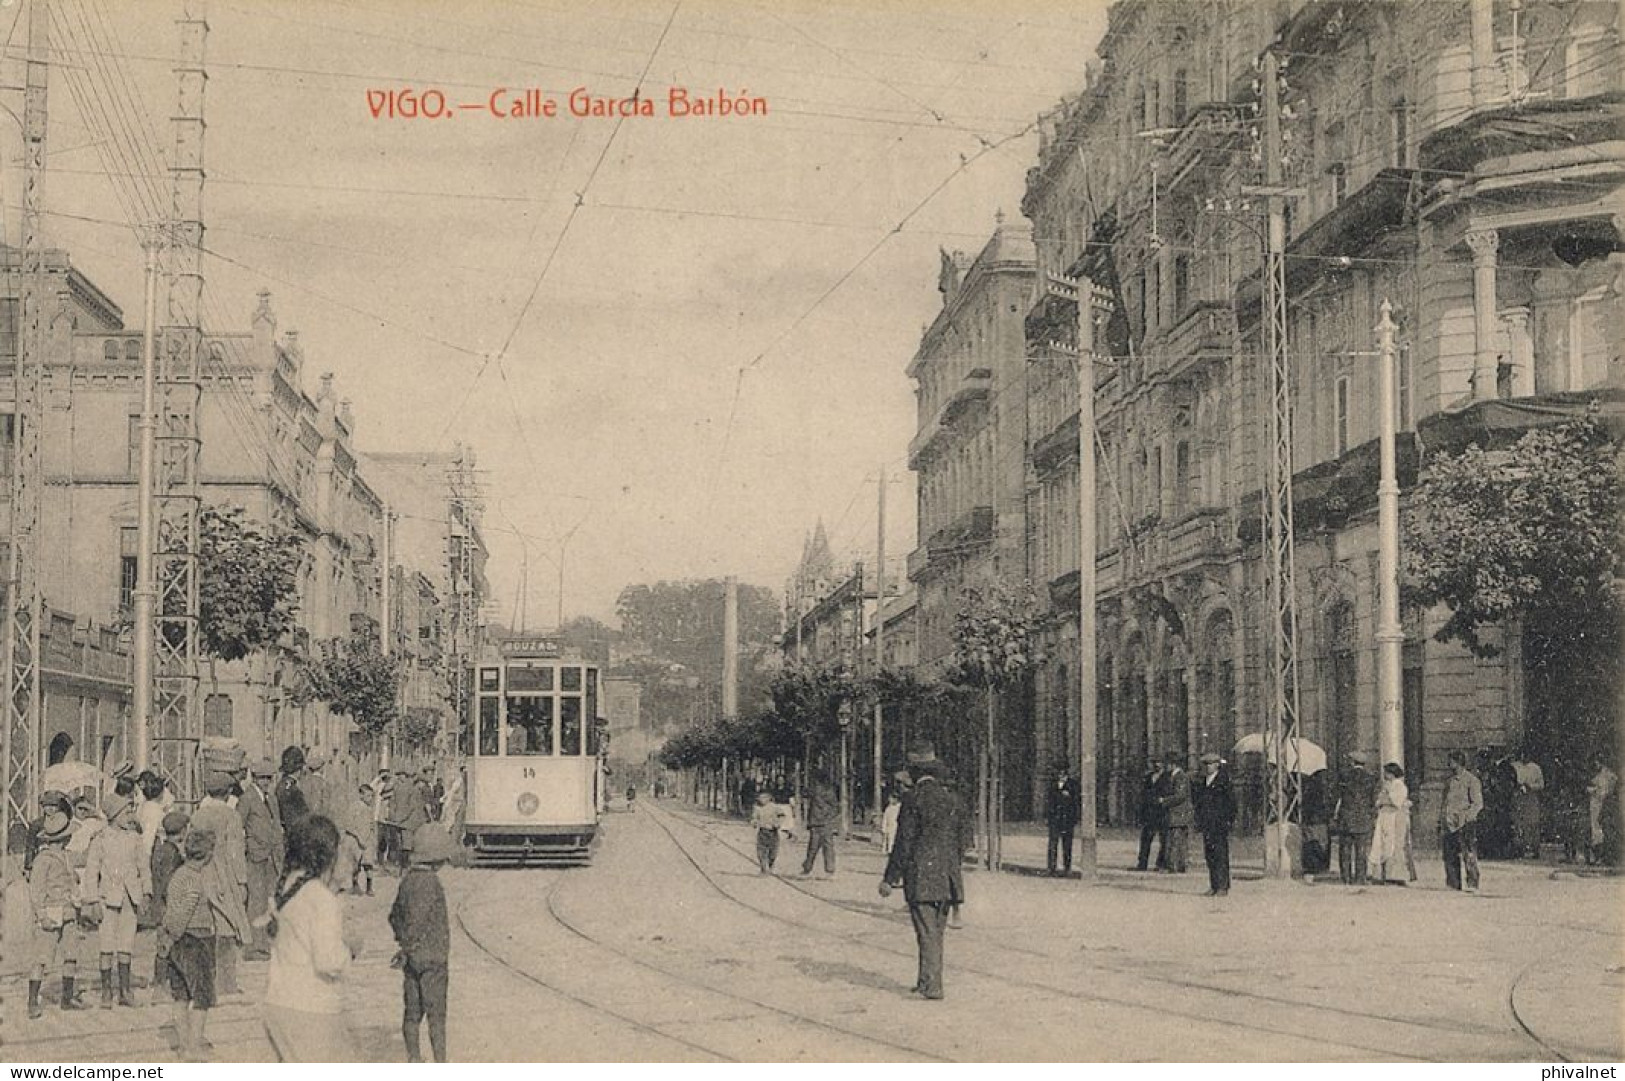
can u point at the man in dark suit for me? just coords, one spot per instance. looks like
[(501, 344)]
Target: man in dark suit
[(1176, 804), (1062, 809), (263, 847), (1214, 805), (925, 862), (823, 821), (1152, 818), (1355, 818)]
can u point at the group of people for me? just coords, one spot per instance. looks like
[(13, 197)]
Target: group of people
[(255, 868), (1172, 804)]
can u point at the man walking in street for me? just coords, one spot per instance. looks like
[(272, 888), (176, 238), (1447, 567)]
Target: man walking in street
[(1215, 811), (1458, 824), (263, 847), (1062, 809), (823, 817), (1354, 818), (1176, 804), (924, 860), (1152, 819)]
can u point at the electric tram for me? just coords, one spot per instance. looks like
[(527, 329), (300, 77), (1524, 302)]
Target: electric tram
[(536, 772)]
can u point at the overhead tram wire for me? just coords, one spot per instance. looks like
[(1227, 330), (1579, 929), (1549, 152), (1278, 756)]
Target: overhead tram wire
[(739, 377), (564, 230)]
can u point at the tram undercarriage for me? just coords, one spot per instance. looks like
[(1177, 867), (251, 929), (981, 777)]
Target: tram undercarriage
[(498, 846)]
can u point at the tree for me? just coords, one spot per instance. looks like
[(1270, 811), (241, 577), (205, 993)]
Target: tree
[(1532, 534), (995, 638), (589, 637), (354, 677), (248, 583)]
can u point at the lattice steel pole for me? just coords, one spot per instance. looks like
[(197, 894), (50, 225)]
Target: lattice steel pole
[(177, 713), (24, 606), (1279, 553)]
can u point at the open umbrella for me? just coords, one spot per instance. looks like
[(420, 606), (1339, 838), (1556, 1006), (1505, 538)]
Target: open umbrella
[(1302, 756)]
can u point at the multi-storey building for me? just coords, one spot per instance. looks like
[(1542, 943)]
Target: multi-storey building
[(968, 454), (435, 528), (1461, 161)]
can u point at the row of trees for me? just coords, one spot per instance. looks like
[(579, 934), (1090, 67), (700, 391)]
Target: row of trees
[(995, 645), (248, 606)]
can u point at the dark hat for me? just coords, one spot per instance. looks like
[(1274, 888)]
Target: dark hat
[(930, 767), (1210, 757), (175, 822), (55, 827), (921, 753), (263, 767), (1173, 758)]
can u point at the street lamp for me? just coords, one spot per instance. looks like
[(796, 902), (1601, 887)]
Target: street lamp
[(1390, 634)]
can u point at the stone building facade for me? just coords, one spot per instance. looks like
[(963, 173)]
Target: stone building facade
[(1461, 161)]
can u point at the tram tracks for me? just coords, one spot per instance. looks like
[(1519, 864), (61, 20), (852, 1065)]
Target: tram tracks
[(1522, 1029), (551, 905)]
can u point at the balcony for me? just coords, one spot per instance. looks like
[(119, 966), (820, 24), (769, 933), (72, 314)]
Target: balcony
[(1058, 447), (977, 386), (1203, 334), (1198, 537), (918, 560), (971, 530), (1206, 140)]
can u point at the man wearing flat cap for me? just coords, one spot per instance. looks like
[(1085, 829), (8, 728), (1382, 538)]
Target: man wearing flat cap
[(1214, 803), (925, 861), (1355, 818)]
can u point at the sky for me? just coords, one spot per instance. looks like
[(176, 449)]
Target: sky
[(678, 341)]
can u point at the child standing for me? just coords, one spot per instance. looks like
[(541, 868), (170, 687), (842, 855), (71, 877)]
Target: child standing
[(765, 817), (419, 920), (189, 927), (117, 875), (53, 893), (166, 859)]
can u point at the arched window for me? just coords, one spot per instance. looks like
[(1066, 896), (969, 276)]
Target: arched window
[(110, 349), (132, 350)]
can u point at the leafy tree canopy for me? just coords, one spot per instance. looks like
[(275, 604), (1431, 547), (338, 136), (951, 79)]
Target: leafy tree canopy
[(996, 635), (354, 678), (1530, 532), (248, 583)]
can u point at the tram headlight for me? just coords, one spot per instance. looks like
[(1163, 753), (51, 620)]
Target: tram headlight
[(528, 804)]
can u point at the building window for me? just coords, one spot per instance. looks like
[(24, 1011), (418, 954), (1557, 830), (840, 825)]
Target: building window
[(132, 444), (127, 549), (1402, 388), (217, 716), (1340, 182), (1154, 298), (1182, 475), (1341, 424), (1181, 96), (8, 450), (1182, 284), (1399, 135)]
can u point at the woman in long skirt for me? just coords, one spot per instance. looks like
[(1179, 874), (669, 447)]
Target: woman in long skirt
[(1392, 835)]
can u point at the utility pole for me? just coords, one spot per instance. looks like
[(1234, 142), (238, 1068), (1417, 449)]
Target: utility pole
[(386, 628), (1390, 633), (145, 594), (24, 606), (730, 647), (1087, 725), (880, 634), (1280, 559), (177, 710)]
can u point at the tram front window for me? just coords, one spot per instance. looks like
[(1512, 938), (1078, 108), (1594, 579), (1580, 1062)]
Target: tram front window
[(530, 725), (490, 725), (570, 725)]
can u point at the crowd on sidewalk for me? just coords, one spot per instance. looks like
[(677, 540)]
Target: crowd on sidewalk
[(253, 872)]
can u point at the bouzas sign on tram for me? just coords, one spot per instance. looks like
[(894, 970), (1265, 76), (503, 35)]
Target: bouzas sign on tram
[(529, 647)]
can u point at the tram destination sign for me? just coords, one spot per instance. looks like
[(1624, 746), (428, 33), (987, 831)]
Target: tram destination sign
[(529, 647)]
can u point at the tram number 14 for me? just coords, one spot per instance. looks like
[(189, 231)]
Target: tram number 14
[(528, 772)]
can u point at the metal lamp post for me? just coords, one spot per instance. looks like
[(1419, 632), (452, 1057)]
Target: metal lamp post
[(1390, 634)]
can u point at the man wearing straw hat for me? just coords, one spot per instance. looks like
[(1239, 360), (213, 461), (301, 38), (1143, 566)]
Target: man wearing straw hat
[(925, 862)]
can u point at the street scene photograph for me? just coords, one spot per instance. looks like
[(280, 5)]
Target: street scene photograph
[(696, 531)]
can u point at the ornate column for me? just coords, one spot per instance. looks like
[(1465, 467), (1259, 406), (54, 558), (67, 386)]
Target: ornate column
[(1484, 244)]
